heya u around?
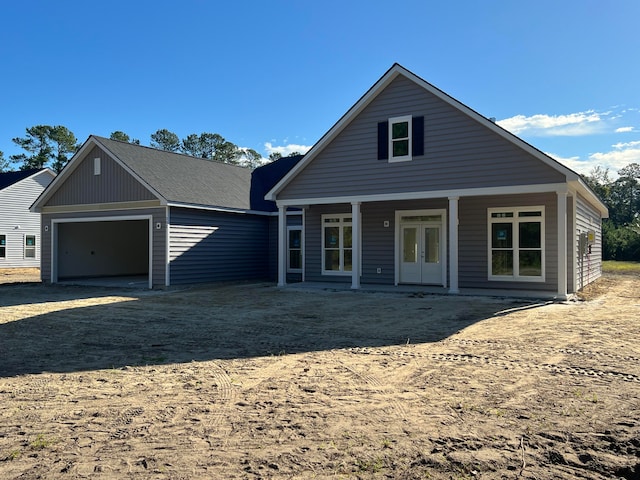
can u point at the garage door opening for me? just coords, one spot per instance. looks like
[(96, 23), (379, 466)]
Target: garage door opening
[(116, 251)]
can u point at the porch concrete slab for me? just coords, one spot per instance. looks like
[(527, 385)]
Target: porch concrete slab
[(425, 290)]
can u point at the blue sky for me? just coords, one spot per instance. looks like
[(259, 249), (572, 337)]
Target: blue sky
[(276, 75)]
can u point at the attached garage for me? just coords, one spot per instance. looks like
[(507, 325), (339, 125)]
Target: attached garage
[(94, 247), (119, 210)]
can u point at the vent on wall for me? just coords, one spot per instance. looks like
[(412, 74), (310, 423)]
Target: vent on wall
[(96, 166)]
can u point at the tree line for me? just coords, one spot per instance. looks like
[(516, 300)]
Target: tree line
[(621, 231), (53, 146)]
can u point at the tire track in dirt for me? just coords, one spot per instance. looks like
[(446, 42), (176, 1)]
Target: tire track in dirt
[(508, 363)]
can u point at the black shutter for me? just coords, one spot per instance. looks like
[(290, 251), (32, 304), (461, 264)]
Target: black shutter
[(383, 140), (417, 143)]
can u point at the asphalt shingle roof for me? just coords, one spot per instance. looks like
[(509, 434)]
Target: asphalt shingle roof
[(9, 178), (184, 179)]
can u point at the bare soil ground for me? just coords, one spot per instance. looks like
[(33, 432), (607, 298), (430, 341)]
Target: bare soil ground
[(251, 381)]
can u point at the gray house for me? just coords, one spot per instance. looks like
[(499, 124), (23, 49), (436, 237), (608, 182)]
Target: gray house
[(122, 210), (20, 228), (411, 186)]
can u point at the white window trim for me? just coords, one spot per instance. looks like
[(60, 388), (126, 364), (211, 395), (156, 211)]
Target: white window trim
[(6, 246), (516, 250), (289, 269), (409, 120), (342, 224), (26, 247)]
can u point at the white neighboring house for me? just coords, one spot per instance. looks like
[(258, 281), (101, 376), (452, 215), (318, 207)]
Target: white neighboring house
[(19, 227)]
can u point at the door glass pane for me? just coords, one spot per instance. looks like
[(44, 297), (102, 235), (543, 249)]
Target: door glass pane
[(530, 236), (530, 263), (409, 245), (432, 245), (502, 262), (332, 260), (332, 237), (501, 235), (295, 259), (295, 237)]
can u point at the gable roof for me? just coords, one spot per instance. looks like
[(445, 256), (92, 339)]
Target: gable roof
[(9, 178), (396, 70), (174, 178), (264, 178)]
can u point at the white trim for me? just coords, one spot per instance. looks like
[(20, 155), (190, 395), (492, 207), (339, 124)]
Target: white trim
[(562, 245), (404, 158), (54, 238), (574, 240), (463, 192), (443, 239), (341, 225), (515, 220), (282, 246), (356, 228), (167, 258), (453, 248)]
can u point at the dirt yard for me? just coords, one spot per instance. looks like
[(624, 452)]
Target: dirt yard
[(251, 381)]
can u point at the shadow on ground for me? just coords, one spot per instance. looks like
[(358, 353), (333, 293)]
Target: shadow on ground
[(215, 322)]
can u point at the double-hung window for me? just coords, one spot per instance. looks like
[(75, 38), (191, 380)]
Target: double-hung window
[(516, 244), (294, 246), (400, 130), (336, 244), (29, 246), (3, 246)]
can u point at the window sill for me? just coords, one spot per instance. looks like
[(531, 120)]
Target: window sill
[(336, 273), (516, 279), (400, 159)]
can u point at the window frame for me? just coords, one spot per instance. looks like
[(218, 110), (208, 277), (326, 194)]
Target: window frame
[(409, 139), (289, 248), (516, 249), (3, 247), (29, 248), (341, 224)]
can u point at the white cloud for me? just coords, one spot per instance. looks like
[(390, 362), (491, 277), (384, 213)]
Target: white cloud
[(286, 150), (613, 160), (542, 125), (624, 129), (620, 146)]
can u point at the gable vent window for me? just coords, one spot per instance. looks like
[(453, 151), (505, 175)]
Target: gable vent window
[(96, 166), (400, 139)]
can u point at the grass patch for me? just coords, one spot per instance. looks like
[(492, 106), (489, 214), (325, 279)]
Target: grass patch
[(611, 266)]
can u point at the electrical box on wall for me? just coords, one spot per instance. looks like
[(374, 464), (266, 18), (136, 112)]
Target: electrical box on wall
[(591, 237)]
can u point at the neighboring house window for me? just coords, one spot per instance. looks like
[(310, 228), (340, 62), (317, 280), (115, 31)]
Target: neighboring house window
[(336, 243), (516, 244), (30, 246), (400, 139), (3, 246), (295, 249)]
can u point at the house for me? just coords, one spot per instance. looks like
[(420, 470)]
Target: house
[(411, 186), (20, 228), (123, 210)]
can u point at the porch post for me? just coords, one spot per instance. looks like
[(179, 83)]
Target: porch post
[(282, 246), (562, 245), (355, 245), (453, 245)]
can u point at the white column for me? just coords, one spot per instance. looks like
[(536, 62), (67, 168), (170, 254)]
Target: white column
[(453, 245), (562, 245), (355, 245), (282, 246)]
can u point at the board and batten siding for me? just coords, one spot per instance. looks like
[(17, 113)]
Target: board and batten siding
[(459, 152), (16, 221), (159, 248), (589, 265), (473, 248), (211, 246), (113, 184)]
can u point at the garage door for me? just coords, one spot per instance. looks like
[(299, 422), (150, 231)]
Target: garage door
[(90, 249)]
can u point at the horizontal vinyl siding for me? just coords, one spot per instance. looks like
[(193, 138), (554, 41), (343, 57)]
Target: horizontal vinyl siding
[(158, 243), (16, 221), (473, 240), (589, 266), (459, 153), (210, 246), (114, 184)]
